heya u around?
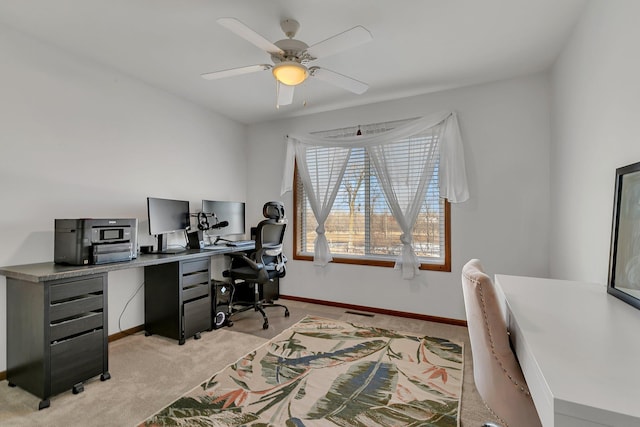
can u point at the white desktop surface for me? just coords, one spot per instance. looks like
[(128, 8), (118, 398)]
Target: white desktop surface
[(579, 349)]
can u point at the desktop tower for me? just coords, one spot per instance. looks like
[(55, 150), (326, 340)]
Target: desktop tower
[(221, 301)]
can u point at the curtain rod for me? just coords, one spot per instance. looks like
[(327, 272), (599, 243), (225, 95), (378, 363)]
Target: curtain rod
[(354, 127)]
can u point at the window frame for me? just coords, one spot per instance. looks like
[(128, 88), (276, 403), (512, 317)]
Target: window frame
[(358, 260)]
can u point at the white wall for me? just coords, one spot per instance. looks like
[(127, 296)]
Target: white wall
[(79, 140), (506, 132), (596, 109)]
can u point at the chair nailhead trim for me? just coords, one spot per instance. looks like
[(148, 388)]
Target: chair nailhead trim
[(520, 387)]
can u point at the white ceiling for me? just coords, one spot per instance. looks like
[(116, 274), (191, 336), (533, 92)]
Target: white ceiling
[(418, 46)]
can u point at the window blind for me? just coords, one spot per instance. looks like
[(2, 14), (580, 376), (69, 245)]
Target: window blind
[(360, 224)]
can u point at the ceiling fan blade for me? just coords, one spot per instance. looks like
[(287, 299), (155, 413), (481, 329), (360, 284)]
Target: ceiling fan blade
[(235, 71), (340, 42), (339, 80), (285, 94), (237, 27)]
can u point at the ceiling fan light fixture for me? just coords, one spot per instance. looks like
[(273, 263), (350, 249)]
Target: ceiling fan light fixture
[(290, 73)]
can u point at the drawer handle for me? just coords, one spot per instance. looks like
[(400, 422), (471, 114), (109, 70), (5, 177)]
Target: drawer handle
[(76, 317), (75, 336), (77, 297)]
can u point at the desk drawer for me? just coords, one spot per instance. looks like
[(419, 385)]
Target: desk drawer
[(193, 266), (74, 307), (76, 360), (195, 279), (76, 325), (76, 288), (197, 316), (536, 382), (195, 292)]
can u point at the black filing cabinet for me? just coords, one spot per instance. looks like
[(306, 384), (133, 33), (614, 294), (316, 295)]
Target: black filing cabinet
[(177, 299), (56, 334)]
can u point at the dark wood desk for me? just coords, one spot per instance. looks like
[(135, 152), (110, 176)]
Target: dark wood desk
[(57, 323), (45, 271)]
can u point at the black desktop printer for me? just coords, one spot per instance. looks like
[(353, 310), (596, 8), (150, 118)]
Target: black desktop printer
[(85, 241)]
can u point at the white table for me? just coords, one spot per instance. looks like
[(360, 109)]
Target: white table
[(579, 349)]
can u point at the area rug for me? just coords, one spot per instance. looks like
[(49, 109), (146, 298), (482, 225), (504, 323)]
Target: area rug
[(324, 372)]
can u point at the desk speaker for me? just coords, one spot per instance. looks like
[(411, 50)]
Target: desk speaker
[(221, 302), (196, 239)]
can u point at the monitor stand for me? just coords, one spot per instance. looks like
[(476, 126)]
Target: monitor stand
[(162, 246)]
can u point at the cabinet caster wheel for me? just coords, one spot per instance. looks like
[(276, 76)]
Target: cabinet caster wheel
[(105, 376), (265, 325), (147, 334), (229, 323), (11, 384), (44, 404), (197, 336), (181, 342), (78, 388), (286, 313)]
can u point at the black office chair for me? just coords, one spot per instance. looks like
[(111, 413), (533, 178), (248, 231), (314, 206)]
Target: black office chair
[(262, 266)]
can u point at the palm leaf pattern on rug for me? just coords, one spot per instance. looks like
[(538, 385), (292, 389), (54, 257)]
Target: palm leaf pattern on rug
[(326, 372)]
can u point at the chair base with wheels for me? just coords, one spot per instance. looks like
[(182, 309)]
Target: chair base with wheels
[(257, 304)]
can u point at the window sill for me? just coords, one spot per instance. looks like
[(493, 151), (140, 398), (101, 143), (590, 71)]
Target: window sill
[(376, 263)]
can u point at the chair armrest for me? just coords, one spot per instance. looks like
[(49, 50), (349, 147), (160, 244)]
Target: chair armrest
[(243, 256), (236, 254)]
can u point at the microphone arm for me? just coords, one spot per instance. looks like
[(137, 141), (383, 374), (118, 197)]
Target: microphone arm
[(203, 221), (220, 224)]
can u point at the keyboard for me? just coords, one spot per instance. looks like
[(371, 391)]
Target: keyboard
[(169, 251), (242, 243), (214, 247)]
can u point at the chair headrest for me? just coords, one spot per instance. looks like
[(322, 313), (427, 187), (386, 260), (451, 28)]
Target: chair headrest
[(273, 210)]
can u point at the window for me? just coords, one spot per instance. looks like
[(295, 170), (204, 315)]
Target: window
[(360, 228)]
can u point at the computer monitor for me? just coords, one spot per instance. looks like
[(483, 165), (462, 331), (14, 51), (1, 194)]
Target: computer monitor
[(167, 216), (221, 212)]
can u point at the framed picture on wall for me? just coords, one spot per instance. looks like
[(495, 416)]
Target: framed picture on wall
[(624, 259)]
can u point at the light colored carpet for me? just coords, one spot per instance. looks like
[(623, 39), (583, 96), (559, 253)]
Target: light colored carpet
[(324, 371), (148, 373)]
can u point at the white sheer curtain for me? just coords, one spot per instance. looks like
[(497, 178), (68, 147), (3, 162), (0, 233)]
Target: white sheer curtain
[(321, 170), (452, 175), (404, 171)]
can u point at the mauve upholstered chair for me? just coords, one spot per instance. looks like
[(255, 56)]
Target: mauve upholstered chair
[(496, 371)]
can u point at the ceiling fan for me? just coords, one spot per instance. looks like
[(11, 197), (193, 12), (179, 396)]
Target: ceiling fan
[(291, 57)]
